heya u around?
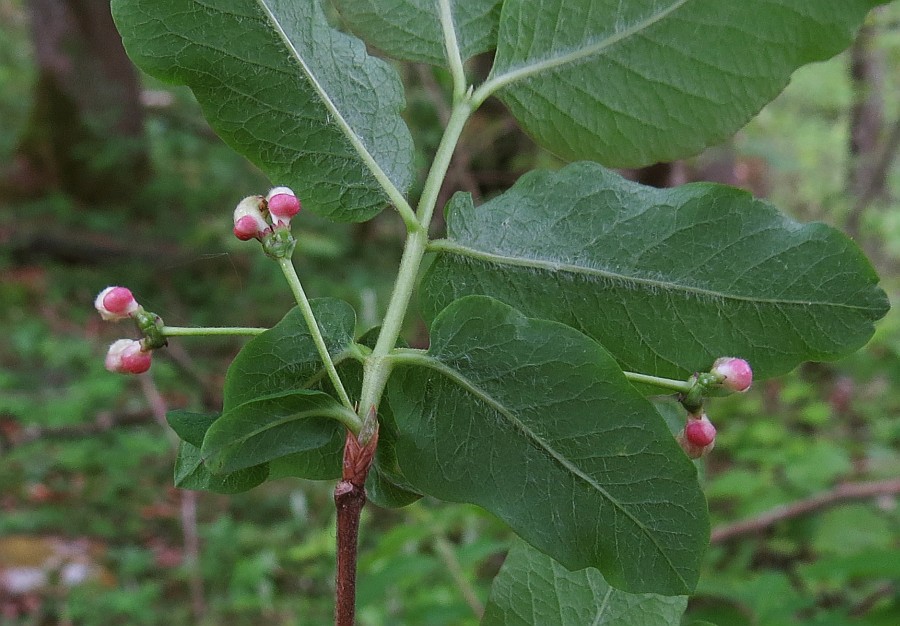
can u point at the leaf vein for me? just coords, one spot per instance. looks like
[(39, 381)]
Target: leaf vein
[(446, 245), (572, 470)]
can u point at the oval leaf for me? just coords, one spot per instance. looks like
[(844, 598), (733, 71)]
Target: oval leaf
[(532, 588), (535, 422), (666, 279), (285, 357), (190, 473), (271, 427), (189, 426), (301, 100), (317, 464), (413, 30), (633, 83)]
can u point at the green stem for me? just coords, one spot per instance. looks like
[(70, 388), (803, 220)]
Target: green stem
[(458, 118), (377, 367), (409, 218), (682, 386), (181, 331), (300, 296)]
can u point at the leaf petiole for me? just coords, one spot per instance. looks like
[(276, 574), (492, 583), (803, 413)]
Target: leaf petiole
[(200, 331), (412, 355), (682, 386), (451, 48)]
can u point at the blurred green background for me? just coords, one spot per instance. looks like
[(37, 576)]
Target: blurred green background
[(92, 531)]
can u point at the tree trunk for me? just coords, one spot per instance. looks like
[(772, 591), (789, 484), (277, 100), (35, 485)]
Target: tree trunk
[(866, 125), (85, 135)]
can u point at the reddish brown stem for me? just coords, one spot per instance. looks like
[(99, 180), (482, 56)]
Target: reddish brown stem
[(349, 499)]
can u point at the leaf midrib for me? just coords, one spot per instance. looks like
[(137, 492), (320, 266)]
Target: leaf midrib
[(573, 56), (455, 376), (452, 247), (335, 413), (355, 140)]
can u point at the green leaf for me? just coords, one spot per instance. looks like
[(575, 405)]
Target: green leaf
[(190, 473), (412, 29), (280, 362), (386, 486), (535, 422), (271, 427), (317, 464), (532, 588), (666, 279), (633, 83), (191, 427), (301, 100), (285, 358)]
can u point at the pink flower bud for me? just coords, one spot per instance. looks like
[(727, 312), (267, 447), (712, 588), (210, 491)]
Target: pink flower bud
[(283, 204), (126, 356), (248, 220), (700, 432), (736, 373), (246, 228), (115, 303), (698, 436)]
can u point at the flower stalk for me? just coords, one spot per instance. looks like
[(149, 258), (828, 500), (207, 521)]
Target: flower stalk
[(290, 273)]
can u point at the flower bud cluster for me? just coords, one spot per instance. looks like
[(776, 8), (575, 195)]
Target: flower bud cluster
[(125, 356), (280, 205), (728, 373)]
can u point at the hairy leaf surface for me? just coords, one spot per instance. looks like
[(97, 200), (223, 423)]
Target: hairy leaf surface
[(633, 83), (413, 30), (301, 100), (667, 280), (535, 422), (532, 588)]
